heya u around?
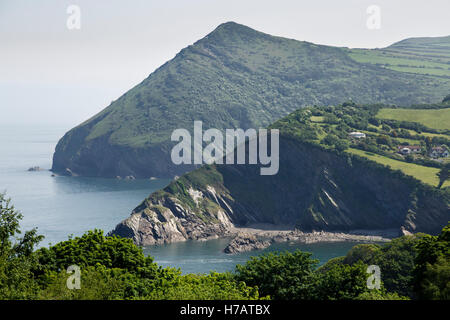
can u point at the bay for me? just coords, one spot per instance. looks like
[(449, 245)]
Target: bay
[(62, 206)]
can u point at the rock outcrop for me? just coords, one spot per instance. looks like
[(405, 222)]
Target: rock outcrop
[(36, 168), (244, 242), (164, 219)]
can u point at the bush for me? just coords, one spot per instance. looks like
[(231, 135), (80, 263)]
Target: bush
[(432, 266), (16, 255), (288, 276), (342, 282)]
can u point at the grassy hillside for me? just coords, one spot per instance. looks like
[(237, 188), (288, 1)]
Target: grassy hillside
[(234, 77), (422, 173), (385, 128), (436, 119), (430, 56)]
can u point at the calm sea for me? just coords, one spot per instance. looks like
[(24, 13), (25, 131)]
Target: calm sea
[(63, 206)]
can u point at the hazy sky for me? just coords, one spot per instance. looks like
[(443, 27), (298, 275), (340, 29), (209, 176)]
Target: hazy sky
[(50, 74)]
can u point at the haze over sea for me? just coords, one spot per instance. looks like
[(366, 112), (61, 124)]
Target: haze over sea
[(62, 206)]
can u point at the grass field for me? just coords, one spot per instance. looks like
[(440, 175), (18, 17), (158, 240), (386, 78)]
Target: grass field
[(398, 62), (432, 118), (422, 173), (428, 56), (316, 118)]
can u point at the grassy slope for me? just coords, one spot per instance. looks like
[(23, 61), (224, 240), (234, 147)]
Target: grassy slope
[(437, 119), (432, 118), (422, 173), (318, 128), (429, 56)]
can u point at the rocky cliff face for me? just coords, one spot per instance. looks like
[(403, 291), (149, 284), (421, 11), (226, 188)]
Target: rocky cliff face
[(314, 190)]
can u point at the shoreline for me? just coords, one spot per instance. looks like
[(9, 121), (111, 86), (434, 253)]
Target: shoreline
[(262, 236), (273, 231)]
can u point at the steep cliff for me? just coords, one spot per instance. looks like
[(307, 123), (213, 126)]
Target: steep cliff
[(315, 189)]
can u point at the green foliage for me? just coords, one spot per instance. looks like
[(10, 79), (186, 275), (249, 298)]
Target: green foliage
[(395, 259), (16, 258), (330, 139), (384, 139), (214, 286), (342, 282), (96, 283), (380, 295), (93, 249), (432, 266), (280, 275)]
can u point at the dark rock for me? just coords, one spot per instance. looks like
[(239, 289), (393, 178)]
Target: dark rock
[(36, 168), (244, 242)]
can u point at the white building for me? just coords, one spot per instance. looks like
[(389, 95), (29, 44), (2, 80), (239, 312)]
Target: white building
[(357, 135)]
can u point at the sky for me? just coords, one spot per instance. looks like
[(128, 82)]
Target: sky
[(50, 74)]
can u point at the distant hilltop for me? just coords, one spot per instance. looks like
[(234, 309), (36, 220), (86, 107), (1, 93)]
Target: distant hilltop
[(237, 77)]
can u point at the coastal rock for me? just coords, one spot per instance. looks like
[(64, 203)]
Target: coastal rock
[(36, 168), (244, 242), (166, 219)]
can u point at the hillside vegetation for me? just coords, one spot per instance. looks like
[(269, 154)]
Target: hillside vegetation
[(235, 77), (430, 56), (386, 129)]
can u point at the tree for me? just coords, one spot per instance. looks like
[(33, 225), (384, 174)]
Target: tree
[(16, 254), (341, 145), (342, 282), (443, 175), (432, 266), (384, 139), (395, 259), (330, 139), (93, 249), (287, 276)]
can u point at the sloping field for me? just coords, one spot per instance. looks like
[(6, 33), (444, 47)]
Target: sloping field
[(422, 173), (432, 118)]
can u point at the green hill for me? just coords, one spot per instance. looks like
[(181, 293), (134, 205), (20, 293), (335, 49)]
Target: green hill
[(234, 77), (327, 180), (429, 56)]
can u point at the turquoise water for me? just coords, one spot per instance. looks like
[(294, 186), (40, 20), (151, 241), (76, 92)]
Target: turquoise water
[(205, 256), (63, 206)]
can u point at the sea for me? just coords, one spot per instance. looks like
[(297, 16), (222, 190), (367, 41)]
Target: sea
[(60, 206)]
